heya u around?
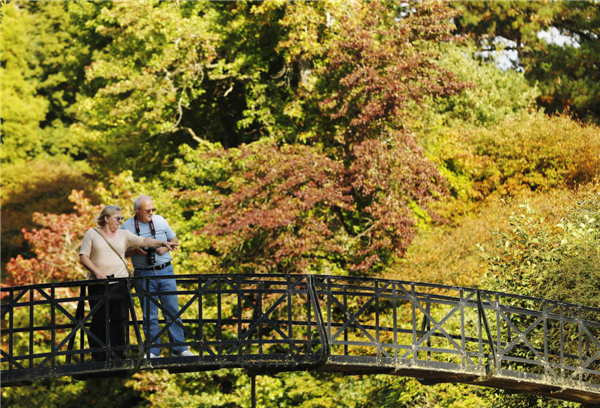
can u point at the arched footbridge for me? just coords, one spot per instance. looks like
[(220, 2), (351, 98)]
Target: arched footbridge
[(274, 323)]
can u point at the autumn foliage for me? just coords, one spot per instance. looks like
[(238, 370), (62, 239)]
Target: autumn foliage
[(379, 66), (318, 137), (348, 199), (56, 246)]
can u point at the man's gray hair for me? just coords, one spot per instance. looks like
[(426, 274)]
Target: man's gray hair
[(138, 201)]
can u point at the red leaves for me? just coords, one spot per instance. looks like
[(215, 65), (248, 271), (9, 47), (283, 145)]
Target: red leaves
[(287, 197), (387, 178), (377, 65), (348, 202), (286, 208), (56, 246)]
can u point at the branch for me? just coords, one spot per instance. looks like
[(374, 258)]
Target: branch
[(196, 138)]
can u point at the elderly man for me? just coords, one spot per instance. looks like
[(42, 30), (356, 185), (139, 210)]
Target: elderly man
[(155, 262)]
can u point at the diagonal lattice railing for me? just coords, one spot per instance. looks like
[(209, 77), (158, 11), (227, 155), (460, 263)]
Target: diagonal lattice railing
[(270, 323), (441, 334)]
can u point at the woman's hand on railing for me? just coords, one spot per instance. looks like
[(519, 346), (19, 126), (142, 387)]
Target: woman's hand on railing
[(99, 275)]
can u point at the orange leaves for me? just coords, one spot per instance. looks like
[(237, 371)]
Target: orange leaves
[(56, 246), (538, 152)]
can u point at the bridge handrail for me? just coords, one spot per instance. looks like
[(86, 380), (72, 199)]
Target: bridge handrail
[(358, 313), (334, 277)]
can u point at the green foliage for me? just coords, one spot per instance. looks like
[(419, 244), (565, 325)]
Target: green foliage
[(500, 399), (250, 75), (62, 49), (389, 391), (22, 108), (222, 388), (550, 261), (146, 75), (568, 75), (231, 388), (494, 96), (43, 57), (68, 393)]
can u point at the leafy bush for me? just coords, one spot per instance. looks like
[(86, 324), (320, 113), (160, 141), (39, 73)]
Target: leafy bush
[(36, 186), (559, 262), (553, 261), (447, 254), (531, 152), (66, 392), (537, 152)]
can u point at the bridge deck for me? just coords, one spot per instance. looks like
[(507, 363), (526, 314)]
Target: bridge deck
[(272, 323)]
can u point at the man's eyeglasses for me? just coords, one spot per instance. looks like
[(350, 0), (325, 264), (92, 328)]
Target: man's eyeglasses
[(118, 218), (151, 210)]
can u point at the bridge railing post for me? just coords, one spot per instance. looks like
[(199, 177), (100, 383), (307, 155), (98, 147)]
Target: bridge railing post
[(321, 327), (483, 318)]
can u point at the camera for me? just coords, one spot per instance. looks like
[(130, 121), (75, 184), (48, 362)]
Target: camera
[(150, 255)]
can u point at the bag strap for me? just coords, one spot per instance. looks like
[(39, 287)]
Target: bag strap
[(111, 247)]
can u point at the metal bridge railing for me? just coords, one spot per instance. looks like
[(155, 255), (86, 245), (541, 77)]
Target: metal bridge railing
[(294, 322), (229, 320), (442, 333)]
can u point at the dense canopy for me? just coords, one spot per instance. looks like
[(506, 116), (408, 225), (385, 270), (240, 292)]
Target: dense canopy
[(372, 138)]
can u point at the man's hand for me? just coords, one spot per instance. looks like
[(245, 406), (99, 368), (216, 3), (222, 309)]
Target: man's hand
[(170, 245), (140, 251), (162, 250)]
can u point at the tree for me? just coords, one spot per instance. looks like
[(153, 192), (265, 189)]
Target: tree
[(42, 71), (43, 59), (22, 108), (62, 46), (353, 188), (145, 77), (55, 246), (567, 75)]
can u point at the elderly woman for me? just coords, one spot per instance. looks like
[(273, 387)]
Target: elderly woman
[(102, 253)]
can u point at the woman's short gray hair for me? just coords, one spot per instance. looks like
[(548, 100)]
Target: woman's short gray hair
[(107, 211)]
